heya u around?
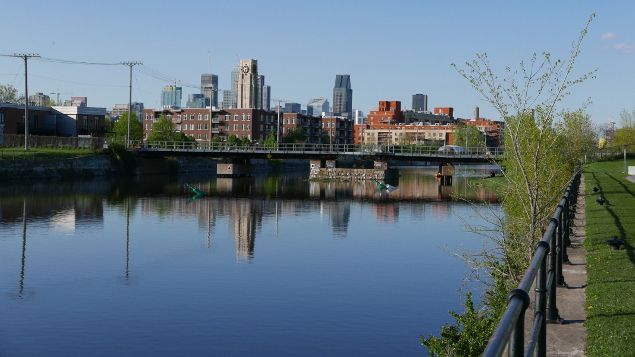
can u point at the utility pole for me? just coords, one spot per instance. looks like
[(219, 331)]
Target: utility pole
[(25, 57), (278, 128), (130, 65)]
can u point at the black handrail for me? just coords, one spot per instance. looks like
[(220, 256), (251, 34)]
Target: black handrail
[(546, 269)]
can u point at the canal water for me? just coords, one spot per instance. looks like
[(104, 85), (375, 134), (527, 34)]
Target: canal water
[(272, 265)]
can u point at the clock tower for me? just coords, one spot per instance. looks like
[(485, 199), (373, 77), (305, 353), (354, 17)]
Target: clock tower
[(247, 88)]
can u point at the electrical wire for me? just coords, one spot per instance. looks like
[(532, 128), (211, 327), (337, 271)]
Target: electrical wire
[(65, 61)]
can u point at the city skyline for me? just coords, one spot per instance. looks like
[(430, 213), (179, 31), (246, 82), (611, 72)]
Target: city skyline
[(415, 59)]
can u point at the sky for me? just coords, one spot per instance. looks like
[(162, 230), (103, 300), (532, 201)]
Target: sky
[(391, 49)]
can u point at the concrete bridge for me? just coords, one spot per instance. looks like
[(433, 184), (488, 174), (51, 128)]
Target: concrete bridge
[(322, 156)]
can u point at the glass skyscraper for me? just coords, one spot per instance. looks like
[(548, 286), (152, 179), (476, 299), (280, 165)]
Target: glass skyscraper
[(171, 97), (209, 88), (343, 96)]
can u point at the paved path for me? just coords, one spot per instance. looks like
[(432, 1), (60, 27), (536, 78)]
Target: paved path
[(569, 338)]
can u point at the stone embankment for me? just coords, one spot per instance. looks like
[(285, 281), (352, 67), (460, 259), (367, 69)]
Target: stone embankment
[(345, 174), (87, 166)]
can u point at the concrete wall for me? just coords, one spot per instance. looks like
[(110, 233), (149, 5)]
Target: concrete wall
[(91, 166), (343, 174)]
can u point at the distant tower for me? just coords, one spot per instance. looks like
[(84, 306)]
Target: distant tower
[(420, 103), (266, 98), (171, 97), (476, 113), (209, 89), (247, 88), (260, 87), (343, 96)]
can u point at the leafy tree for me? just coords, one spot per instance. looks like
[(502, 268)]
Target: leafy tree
[(162, 130), (578, 136), (295, 135), (537, 170), (120, 129), (625, 135), (216, 139), (9, 94), (233, 140), (468, 136), (270, 141)]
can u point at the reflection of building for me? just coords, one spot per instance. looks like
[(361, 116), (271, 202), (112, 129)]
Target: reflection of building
[(243, 217), (387, 212)]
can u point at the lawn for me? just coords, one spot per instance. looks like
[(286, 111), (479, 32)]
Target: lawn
[(14, 153), (610, 293)]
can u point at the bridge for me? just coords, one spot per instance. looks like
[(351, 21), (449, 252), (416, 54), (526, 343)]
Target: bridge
[(323, 157), (308, 151)]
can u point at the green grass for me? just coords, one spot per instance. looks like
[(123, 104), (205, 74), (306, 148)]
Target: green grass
[(43, 153), (496, 184), (610, 293)]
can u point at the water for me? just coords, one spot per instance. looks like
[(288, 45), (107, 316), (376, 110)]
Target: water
[(272, 265)]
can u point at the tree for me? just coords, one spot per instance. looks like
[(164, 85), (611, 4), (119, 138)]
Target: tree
[(162, 130), (233, 140), (120, 129), (468, 136), (9, 94), (270, 141), (536, 168), (625, 136), (579, 139), (295, 135)]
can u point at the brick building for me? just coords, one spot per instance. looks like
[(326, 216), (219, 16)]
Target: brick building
[(254, 124)]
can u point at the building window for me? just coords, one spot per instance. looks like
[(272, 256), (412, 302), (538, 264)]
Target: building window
[(243, 116), (206, 116), (191, 116), (248, 117), (227, 117), (200, 116), (235, 127)]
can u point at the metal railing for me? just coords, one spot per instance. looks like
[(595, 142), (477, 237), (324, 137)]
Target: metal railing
[(546, 269), (402, 150)]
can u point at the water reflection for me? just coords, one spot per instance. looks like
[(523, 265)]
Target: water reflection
[(243, 202)]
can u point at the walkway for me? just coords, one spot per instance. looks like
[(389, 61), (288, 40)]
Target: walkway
[(569, 338)]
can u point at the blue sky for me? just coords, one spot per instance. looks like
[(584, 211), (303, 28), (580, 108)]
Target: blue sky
[(391, 49)]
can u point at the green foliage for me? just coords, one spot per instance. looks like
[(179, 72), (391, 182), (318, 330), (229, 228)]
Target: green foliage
[(270, 141), (233, 140), (610, 302), (468, 136), (295, 135), (217, 139), (468, 335), (9, 94), (163, 130), (537, 168), (120, 129), (578, 139)]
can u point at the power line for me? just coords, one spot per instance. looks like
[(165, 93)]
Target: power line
[(66, 61), (130, 64)]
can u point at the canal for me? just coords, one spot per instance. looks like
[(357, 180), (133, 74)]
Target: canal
[(267, 265)]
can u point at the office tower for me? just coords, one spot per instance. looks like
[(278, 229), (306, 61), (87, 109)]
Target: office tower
[(420, 103), (358, 116), (247, 88), (343, 96), (260, 85), (266, 98), (196, 101), (317, 106), (229, 99), (171, 97), (234, 86), (292, 108), (39, 99), (135, 107), (209, 88)]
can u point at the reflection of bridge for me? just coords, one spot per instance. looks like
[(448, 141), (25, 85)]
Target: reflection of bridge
[(317, 151)]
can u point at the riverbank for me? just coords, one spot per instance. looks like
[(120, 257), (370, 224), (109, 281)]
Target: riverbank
[(610, 300), (18, 153)]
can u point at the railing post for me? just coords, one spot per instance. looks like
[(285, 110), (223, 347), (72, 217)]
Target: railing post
[(552, 307), (517, 338), (565, 230), (559, 259), (541, 300)]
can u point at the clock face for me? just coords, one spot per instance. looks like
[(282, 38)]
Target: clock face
[(245, 69)]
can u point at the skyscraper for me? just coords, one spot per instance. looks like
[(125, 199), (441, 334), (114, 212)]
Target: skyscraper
[(209, 88), (247, 87), (317, 106), (420, 103), (266, 98), (171, 97), (343, 96), (260, 85), (229, 99), (196, 100)]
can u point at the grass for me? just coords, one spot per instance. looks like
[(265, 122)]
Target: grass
[(496, 184), (15, 153), (610, 292)]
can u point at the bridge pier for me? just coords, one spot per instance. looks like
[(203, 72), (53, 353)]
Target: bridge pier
[(445, 173), (234, 168)]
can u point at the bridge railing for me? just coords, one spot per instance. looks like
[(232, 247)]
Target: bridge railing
[(415, 150), (546, 269)]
